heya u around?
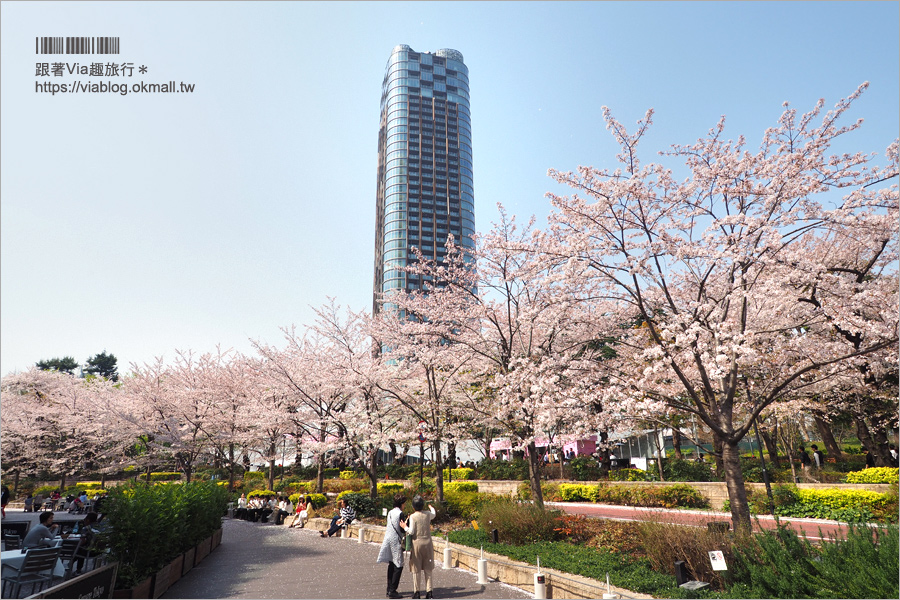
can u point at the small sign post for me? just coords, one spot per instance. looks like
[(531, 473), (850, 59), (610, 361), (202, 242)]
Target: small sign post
[(718, 560)]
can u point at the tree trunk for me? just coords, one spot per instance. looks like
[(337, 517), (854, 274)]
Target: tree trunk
[(231, 467), (883, 451), (534, 475), (734, 482), (148, 474), (373, 474), (605, 461), (451, 455), (717, 454), (272, 450), (62, 484), (320, 474), (438, 472), (831, 445), (676, 443), (102, 481), (660, 453), (865, 438), (15, 493), (771, 447)]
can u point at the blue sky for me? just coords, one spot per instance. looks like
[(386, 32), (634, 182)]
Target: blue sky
[(146, 223)]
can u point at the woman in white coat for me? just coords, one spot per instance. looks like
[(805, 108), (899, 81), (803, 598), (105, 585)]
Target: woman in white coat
[(392, 547)]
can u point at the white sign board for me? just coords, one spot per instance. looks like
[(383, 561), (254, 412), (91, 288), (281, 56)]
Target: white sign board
[(718, 560), (639, 463)]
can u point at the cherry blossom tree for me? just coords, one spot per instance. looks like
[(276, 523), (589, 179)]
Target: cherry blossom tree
[(523, 337), (737, 277)]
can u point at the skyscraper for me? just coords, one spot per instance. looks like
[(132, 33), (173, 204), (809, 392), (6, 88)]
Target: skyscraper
[(424, 163)]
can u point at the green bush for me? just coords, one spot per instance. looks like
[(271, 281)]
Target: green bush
[(686, 470), (263, 493), (502, 469), (165, 476), (460, 486), (45, 490), (779, 564), (628, 475), (519, 522), (317, 500), (361, 503), (350, 475), (254, 475), (150, 525), (584, 468), (549, 489), (463, 504), (876, 475)]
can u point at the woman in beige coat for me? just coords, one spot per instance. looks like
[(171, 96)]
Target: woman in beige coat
[(421, 558)]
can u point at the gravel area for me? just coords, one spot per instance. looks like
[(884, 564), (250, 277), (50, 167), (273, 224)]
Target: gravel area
[(260, 560)]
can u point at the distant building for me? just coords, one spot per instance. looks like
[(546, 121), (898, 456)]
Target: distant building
[(425, 188)]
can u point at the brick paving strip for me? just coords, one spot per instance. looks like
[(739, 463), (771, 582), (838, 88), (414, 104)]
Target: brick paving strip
[(261, 560)]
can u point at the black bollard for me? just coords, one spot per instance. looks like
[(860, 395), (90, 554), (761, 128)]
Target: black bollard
[(495, 536), (682, 575)]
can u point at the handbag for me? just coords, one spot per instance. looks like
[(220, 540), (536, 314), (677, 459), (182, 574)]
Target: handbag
[(408, 542)]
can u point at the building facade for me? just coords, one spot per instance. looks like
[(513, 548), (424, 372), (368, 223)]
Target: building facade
[(425, 188)]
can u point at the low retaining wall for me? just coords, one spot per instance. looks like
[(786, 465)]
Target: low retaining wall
[(500, 568)]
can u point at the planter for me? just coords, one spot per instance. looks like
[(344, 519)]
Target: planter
[(216, 539), (188, 561), (161, 580), (203, 548), (141, 590), (175, 568)]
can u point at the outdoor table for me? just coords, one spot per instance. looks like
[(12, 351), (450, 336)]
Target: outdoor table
[(12, 559)]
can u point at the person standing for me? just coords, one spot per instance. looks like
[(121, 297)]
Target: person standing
[(4, 500), (421, 557), (804, 458), (392, 547), (818, 457), (870, 460)]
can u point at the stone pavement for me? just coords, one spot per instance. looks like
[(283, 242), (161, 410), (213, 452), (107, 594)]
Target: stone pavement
[(261, 560)]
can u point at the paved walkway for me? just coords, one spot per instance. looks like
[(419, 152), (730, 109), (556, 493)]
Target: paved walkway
[(261, 560)]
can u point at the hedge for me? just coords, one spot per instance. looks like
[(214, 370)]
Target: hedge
[(668, 496), (150, 525), (460, 486), (350, 475), (165, 476), (390, 488), (837, 505), (459, 474), (875, 475), (256, 493)]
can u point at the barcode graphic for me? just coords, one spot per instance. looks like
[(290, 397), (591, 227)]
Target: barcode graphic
[(76, 45)]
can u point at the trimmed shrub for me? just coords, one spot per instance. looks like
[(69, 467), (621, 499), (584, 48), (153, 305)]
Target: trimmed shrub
[(460, 486), (165, 476), (574, 492), (254, 475), (256, 493), (459, 474), (350, 475), (389, 488), (876, 475), (336, 486), (836, 504)]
